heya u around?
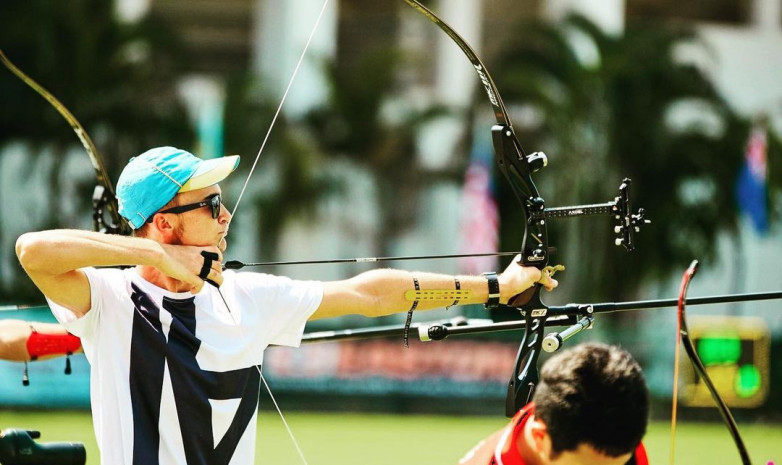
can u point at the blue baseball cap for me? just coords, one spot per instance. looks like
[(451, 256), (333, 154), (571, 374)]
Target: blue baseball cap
[(152, 179)]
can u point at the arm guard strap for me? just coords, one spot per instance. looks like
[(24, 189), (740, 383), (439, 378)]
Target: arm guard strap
[(40, 344)]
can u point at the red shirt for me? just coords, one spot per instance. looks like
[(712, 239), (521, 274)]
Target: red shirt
[(500, 447)]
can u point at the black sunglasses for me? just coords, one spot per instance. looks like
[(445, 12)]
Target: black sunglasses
[(214, 202)]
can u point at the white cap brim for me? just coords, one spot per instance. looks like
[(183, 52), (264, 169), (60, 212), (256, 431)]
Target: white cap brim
[(210, 172)]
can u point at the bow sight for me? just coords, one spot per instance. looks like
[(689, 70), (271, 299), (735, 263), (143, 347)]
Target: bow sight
[(628, 223), (515, 166)]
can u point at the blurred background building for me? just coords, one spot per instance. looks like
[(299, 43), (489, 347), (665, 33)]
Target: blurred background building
[(380, 127)]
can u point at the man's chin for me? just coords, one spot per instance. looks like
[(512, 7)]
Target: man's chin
[(223, 245)]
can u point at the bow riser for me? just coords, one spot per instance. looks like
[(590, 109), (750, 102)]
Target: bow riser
[(513, 165), (522, 384), (516, 167)]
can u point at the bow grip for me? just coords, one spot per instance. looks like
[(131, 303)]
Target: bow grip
[(526, 297), (530, 298)]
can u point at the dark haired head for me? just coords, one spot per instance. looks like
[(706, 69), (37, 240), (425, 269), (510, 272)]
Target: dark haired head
[(594, 394)]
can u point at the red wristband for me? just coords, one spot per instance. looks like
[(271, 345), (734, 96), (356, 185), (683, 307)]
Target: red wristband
[(39, 344)]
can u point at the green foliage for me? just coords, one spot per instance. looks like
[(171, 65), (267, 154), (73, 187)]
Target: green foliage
[(616, 116), (290, 170), (116, 78), (350, 126), (360, 124)]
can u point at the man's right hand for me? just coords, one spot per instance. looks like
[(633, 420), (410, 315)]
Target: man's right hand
[(184, 263)]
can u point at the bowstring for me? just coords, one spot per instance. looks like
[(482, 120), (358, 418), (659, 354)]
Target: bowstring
[(236, 206), (268, 388), (279, 108)]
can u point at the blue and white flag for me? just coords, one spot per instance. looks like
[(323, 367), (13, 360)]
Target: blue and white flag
[(751, 190)]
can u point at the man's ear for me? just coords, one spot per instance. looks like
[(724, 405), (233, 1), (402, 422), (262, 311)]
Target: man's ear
[(541, 440), (162, 225)]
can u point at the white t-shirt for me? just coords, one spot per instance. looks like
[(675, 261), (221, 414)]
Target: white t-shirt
[(175, 378)]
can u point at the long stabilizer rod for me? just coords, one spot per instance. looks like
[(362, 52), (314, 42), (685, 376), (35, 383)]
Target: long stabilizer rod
[(564, 315)]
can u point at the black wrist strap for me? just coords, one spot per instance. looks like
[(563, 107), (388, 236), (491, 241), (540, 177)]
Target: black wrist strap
[(457, 286), (410, 314), (494, 289)]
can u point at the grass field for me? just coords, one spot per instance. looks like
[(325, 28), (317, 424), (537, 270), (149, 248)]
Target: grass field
[(348, 439)]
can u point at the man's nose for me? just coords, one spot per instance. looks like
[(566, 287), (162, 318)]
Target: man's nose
[(225, 214)]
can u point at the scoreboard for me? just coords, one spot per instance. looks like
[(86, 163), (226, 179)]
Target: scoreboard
[(735, 352)]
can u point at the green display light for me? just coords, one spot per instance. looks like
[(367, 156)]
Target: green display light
[(719, 350), (748, 381), (735, 351)]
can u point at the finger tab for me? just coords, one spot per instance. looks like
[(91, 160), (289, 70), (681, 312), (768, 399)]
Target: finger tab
[(209, 257)]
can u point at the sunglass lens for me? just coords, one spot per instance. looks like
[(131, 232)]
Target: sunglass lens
[(216, 204)]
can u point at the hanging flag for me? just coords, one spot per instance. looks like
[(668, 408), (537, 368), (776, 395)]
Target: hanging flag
[(480, 219), (751, 194)]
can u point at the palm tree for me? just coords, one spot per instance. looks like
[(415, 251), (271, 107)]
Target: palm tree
[(118, 79), (352, 126), (290, 171), (611, 117)]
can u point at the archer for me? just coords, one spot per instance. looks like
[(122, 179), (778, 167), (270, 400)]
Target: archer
[(176, 363)]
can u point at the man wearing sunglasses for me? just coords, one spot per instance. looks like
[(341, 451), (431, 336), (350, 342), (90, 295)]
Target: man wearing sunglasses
[(176, 362)]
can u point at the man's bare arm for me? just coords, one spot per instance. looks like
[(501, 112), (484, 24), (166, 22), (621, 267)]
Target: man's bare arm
[(15, 333), (54, 259), (382, 292)]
